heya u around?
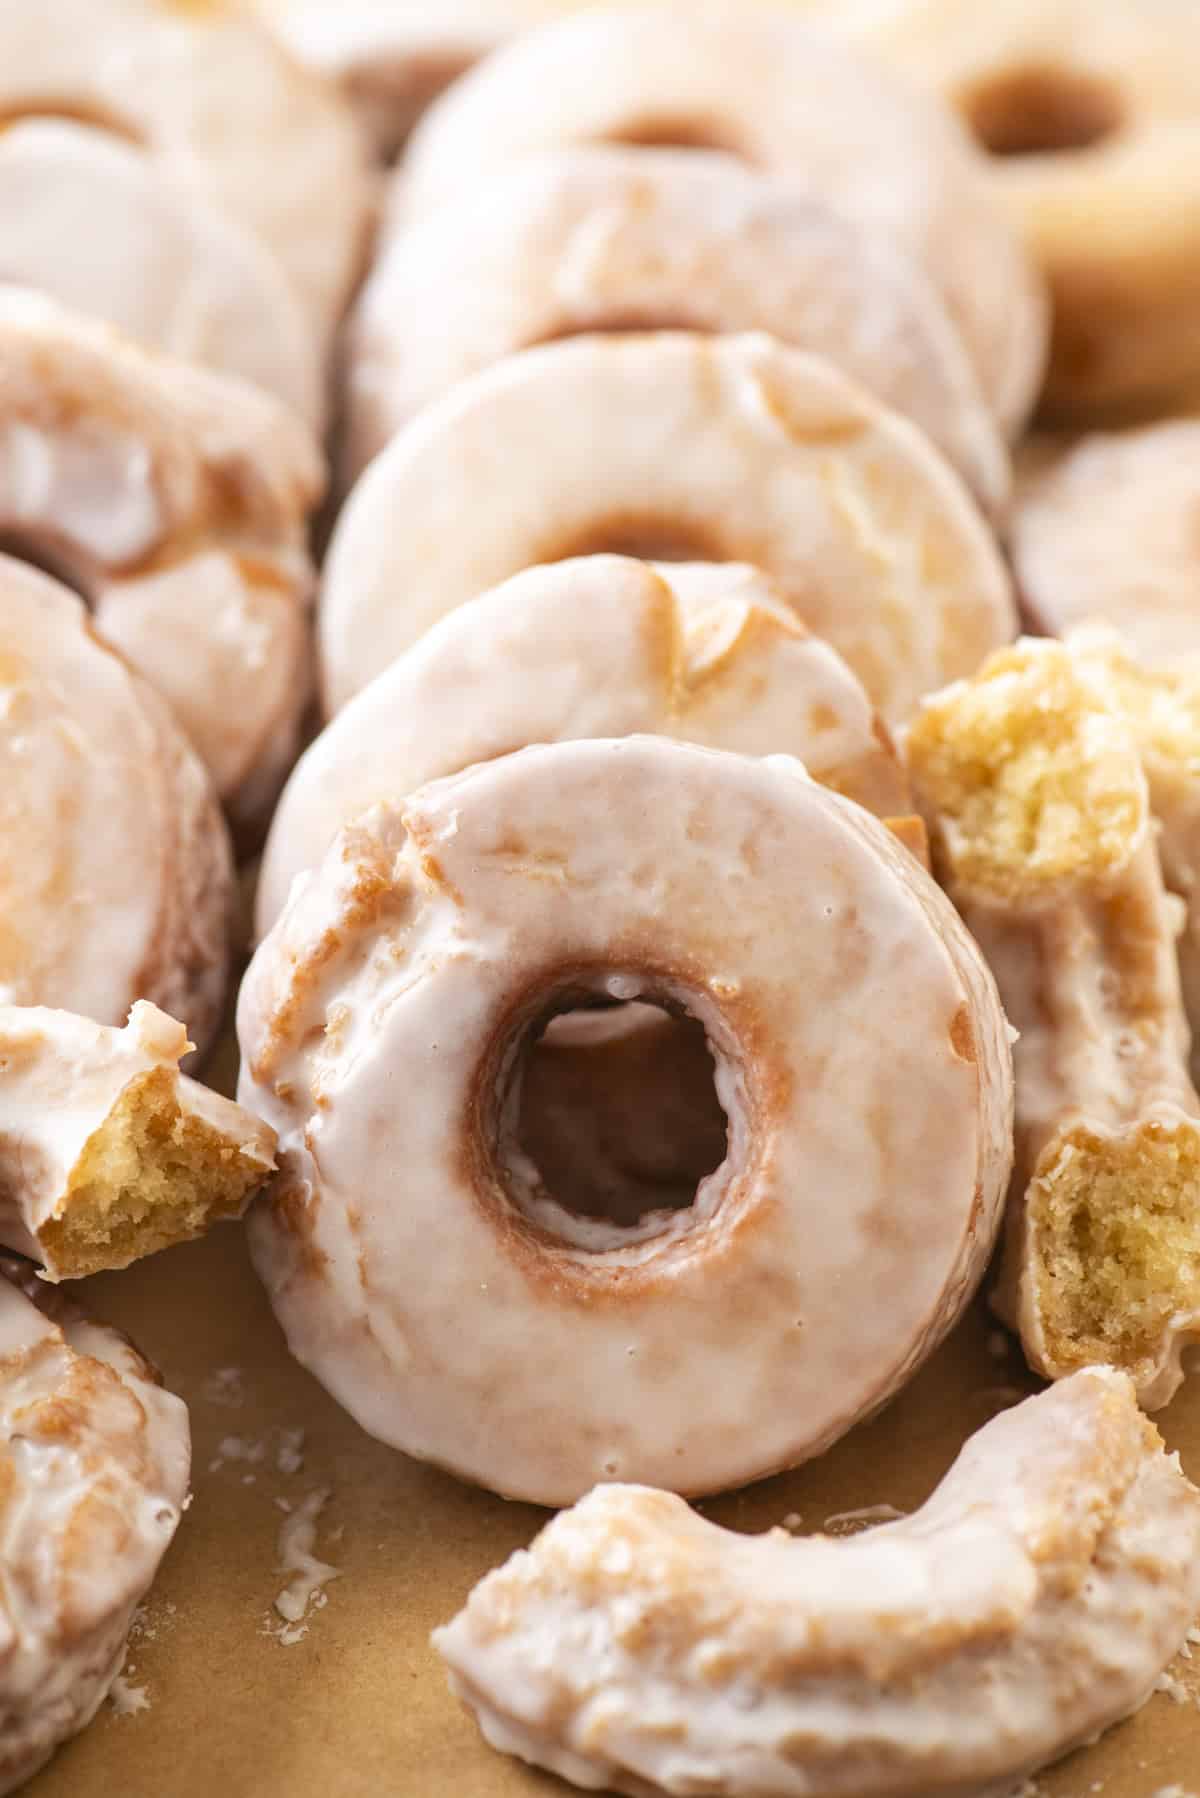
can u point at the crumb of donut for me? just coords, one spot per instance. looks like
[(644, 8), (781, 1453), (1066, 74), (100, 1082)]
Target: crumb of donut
[(1117, 1234), (151, 1175), (1031, 781), (1161, 706)]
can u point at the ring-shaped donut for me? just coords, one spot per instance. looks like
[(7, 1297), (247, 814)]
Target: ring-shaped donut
[(116, 880), (177, 502), (1030, 1603), (418, 1265), (676, 445), (784, 96), (606, 239)]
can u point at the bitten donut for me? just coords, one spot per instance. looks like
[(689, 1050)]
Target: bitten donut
[(116, 879), (861, 1058), (107, 1151), (718, 449), (600, 646), (177, 501), (1107, 531), (96, 1457), (207, 91), (1029, 1604), (1040, 819), (1091, 109), (783, 96), (169, 267), (604, 239)]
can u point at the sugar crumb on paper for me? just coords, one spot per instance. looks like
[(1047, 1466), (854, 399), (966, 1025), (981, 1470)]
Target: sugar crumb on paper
[(305, 1589)]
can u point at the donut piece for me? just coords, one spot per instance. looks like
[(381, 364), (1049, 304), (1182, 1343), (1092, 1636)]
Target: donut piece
[(600, 646), (1107, 530), (1029, 1604), (173, 271), (783, 96), (96, 1459), (415, 1259), (1040, 819), (1092, 114), (677, 445), (177, 502), (603, 239), (207, 91), (108, 1152), (116, 881)]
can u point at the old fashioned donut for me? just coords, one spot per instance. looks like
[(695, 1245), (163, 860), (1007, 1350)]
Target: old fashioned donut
[(107, 1151), (1107, 530), (696, 448), (96, 1458), (599, 646), (1029, 1604), (1041, 825), (177, 501), (105, 228), (382, 1024), (1092, 114), (783, 96), (209, 93), (602, 239), (116, 878)]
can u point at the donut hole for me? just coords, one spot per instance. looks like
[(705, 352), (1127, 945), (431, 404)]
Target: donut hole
[(36, 553), (1040, 111), (677, 132), (646, 536), (611, 1121)]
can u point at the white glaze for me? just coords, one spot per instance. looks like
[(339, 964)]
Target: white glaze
[(868, 1156), (1027, 1606), (740, 447)]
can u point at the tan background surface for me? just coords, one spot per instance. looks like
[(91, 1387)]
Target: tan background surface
[(359, 1706)]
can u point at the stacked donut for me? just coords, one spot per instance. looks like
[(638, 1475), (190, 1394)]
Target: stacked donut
[(629, 1099)]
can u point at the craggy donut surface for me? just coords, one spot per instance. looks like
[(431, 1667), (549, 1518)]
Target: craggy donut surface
[(1092, 111), (421, 1269), (95, 1459), (783, 96), (205, 88), (601, 646), (602, 239), (115, 881), (177, 502), (678, 445), (169, 267)]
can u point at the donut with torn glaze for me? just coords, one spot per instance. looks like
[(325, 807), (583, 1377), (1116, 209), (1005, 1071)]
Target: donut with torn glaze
[(95, 1466), (1029, 1604), (784, 96), (416, 1261), (116, 881), (206, 90), (177, 502), (107, 1151), (176, 272), (601, 238), (720, 449), (1040, 821)]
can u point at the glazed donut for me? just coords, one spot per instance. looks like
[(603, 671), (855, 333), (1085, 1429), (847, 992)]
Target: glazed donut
[(603, 239), (95, 1472), (1040, 820), (783, 96), (713, 449), (206, 90), (116, 880), (1029, 1604), (177, 502), (1107, 531), (107, 1151), (1092, 112), (861, 1059), (175, 272), (601, 646)]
